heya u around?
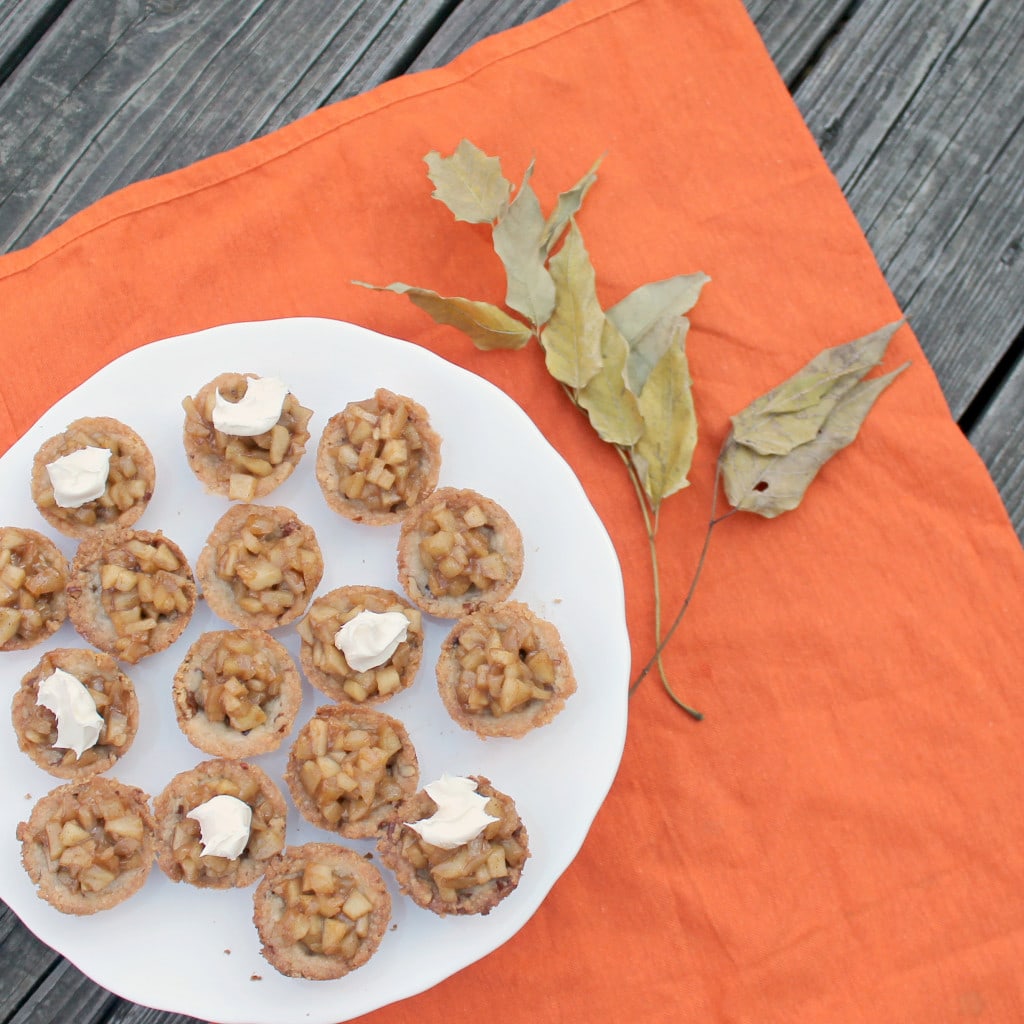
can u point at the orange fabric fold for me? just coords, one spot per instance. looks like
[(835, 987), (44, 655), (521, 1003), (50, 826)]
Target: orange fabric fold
[(842, 838)]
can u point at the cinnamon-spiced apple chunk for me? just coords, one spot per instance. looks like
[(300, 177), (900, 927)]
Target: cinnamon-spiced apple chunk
[(449, 873), (260, 566), (33, 577), (321, 911), (100, 699), (97, 473), (218, 825), (237, 692), (349, 767), (131, 592), (503, 671), (457, 550), (244, 434), (378, 458), (88, 845)]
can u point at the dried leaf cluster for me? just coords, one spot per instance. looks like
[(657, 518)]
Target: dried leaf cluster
[(626, 367)]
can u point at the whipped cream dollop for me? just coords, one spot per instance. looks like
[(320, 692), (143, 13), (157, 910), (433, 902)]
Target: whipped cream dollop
[(224, 824), (370, 638), (255, 412), (79, 724), (79, 477), (460, 815)]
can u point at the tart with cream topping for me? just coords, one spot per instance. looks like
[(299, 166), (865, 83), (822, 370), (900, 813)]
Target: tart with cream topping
[(349, 767), (131, 592), (244, 435), (88, 845), (96, 716), (260, 566), (378, 458), (503, 671), (33, 579), (321, 911), (237, 692), (459, 877), (457, 550), (219, 825), (381, 633), (97, 473)]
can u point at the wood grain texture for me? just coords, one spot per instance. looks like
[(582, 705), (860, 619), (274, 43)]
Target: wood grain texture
[(794, 30)]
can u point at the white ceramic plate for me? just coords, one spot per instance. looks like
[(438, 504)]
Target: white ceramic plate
[(194, 951)]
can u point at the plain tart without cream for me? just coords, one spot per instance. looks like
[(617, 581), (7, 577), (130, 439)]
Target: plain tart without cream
[(448, 876), (348, 769), (125, 478), (260, 566), (243, 466), (219, 825), (33, 579), (131, 592), (378, 458), (321, 911), (359, 619), (236, 693), (503, 671), (458, 550), (100, 708), (88, 845)]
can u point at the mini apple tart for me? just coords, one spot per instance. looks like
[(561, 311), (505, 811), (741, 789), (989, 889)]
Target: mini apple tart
[(260, 566), (88, 845), (361, 644), (219, 825), (456, 847), (321, 911), (503, 671), (378, 458), (458, 550), (131, 592), (33, 576), (237, 693), (244, 435), (97, 473), (75, 713), (349, 767)]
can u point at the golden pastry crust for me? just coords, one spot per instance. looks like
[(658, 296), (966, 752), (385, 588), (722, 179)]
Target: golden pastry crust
[(179, 850), (130, 479), (260, 566), (378, 458), (33, 580), (458, 550), (242, 468), (131, 592), (326, 667), (88, 845), (349, 767), (321, 911), (112, 692), (503, 671), (236, 693), (471, 879)]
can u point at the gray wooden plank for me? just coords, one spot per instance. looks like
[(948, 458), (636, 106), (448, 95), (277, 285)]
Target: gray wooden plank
[(61, 999), (22, 23), (794, 30), (25, 961)]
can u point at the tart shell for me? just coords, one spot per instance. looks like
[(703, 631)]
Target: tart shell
[(34, 607)]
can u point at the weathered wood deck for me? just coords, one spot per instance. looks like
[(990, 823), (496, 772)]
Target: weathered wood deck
[(917, 106)]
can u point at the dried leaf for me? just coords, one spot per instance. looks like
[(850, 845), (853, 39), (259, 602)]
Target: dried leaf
[(517, 241), (567, 207), (772, 484), (613, 409), (664, 452), (792, 413), (469, 183), (637, 316), (572, 337), (489, 326)]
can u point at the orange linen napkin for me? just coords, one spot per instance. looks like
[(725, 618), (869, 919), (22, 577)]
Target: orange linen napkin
[(842, 839)]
